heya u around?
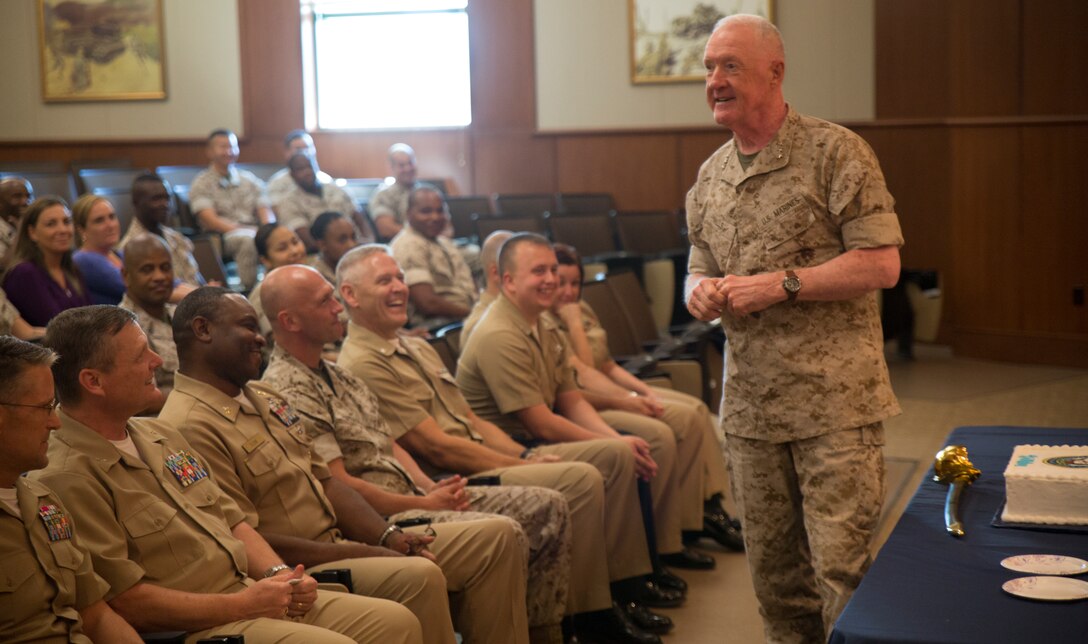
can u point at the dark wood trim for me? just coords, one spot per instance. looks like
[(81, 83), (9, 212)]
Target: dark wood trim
[(1068, 350)]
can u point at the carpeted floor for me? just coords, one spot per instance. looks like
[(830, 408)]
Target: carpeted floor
[(938, 392)]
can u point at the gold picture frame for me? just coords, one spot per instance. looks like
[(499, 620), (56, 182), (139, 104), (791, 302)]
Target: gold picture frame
[(667, 37), (101, 50)]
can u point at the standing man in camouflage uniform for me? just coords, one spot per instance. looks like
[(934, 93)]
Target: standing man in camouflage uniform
[(792, 232)]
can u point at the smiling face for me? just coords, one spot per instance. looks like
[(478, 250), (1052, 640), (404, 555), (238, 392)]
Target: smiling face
[(744, 72), (223, 150), (531, 284), (284, 249), (15, 196), (378, 295), (569, 286), (303, 170), (316, 309), (53, 231), (235, 341), (103, 229), (24, 431), (427, 214), (128, 384), (403, 167), (149, 277)]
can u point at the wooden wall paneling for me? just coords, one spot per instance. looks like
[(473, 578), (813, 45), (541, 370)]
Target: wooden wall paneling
[(984, 54), (693, 149), (1055, 59), (439, 153), (640, 170), (1054, 238), (513, 161), (501, 58), (913, 75), (984, 289), (271, 49)]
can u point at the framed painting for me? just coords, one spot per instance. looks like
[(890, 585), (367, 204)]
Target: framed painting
[(668, 36), (101, 50)]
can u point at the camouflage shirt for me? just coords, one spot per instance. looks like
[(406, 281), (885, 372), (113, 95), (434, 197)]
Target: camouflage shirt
[(391, 200), (341, 415), (160, 337), (799, 369), (8, 314), (436, 262), (181, 252), (235, 197), (296, 208)]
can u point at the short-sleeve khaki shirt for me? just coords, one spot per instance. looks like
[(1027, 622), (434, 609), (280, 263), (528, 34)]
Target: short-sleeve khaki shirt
[(159, 519), (235, 197), (595, 334), (342, 416), (260, 454), (508, 365), (476, 314), (805, 368), (47, 576), (436, 262)]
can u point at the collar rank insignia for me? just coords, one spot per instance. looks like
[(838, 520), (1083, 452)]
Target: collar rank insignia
[(185, 468), (282, 411), (57, 525)]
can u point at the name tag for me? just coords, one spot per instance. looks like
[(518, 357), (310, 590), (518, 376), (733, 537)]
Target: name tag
[(185, 468), (250, 445), (57, 525)]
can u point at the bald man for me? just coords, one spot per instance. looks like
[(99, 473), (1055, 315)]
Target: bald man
[(15, 195), (148, 272), (489, 261)]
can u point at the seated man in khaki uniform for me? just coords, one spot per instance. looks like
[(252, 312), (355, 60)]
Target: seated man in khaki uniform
[(55, 594), (419, 400), (173, 547), (260, 453), (440, 285), (489, 262)]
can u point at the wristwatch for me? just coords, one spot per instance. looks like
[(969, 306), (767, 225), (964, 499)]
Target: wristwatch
[(792, 285)]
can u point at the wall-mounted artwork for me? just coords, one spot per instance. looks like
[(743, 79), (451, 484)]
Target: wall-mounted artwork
[(101, 50), (668, 36)]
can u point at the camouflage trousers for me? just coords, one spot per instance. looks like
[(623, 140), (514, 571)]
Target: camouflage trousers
[(544, 517), (810, 509)]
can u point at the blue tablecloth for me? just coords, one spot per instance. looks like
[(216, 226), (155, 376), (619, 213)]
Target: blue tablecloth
[(927, 586)]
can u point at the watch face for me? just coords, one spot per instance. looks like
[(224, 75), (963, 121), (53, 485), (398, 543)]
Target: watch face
[(792, 284)]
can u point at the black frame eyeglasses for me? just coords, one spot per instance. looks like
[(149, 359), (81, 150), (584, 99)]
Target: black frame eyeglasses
[(49, 407)]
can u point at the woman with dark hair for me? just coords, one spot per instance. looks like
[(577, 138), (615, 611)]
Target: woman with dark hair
[(97, 224), (277, 245), (589, 343), (45, 279), (334, 235)]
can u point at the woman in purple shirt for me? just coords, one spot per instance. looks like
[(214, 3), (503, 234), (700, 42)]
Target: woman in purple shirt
[(45, 281), (98, 226)]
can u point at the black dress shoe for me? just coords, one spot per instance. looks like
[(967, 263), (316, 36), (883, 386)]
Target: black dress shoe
[(713, 505), (689, 559), (669, 581), (648, 593), (719, 527), (646, 619), (612, 626)]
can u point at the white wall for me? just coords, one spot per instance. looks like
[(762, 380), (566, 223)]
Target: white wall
[(583, 69), (203, 81)]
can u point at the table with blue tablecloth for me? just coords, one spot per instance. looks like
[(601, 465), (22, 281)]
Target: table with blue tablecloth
[(927, 586)]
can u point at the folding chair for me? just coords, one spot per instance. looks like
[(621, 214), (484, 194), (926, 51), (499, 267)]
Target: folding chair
[(485, 225), (585, 202), (526, 204)]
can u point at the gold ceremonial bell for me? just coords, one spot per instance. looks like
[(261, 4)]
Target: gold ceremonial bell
[(953, 467)]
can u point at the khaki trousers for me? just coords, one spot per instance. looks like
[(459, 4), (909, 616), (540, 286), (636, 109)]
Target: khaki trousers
[(336, 618), (715, 479), (238, 244), (810, 509)]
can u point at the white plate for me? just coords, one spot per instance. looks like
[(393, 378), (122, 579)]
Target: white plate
[(1046, 564), (1052, 589)]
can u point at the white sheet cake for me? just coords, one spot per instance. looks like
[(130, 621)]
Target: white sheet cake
[(1047, 484)]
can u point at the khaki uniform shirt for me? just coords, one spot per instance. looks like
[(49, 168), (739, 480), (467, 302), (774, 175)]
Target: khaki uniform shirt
[(281, 183), (411, 382), (595, 334), (799, 369), (296, 208), (436, 262), (508, 365), (476, 314), (321, 266), (342, 417), (161, 520), (47, 576), (260, 455), (8, 314), (234, 197), (390, 200), (160, 336), (181, 252)]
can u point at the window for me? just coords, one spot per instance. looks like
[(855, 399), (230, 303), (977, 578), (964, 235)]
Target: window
[(386, 64)]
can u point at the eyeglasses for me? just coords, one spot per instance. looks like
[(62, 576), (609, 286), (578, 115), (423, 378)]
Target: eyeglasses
[(49, 407)]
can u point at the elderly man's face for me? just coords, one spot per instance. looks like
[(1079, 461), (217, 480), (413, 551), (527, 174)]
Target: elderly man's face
[(26, 422), (740, 77), (427, 215), (380, 295), (403, 166)]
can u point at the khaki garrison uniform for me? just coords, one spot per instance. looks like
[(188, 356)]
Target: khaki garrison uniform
[(142, 523), (806, 385), (412, 384), (235, 198), (261, 455), (437, 262), (344, 423), (47, 576), (504, 352), (476, 314), (160, 337), (181, 251)]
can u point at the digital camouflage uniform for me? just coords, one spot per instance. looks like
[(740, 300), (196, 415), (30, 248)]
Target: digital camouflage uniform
[(8, 314), (47, 577), (806, 385), (8, 233), (297, 208), (181, 251), (281, 183), (437, 262), (343, 420), (160, 337), (235, 198), (390, 200)]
